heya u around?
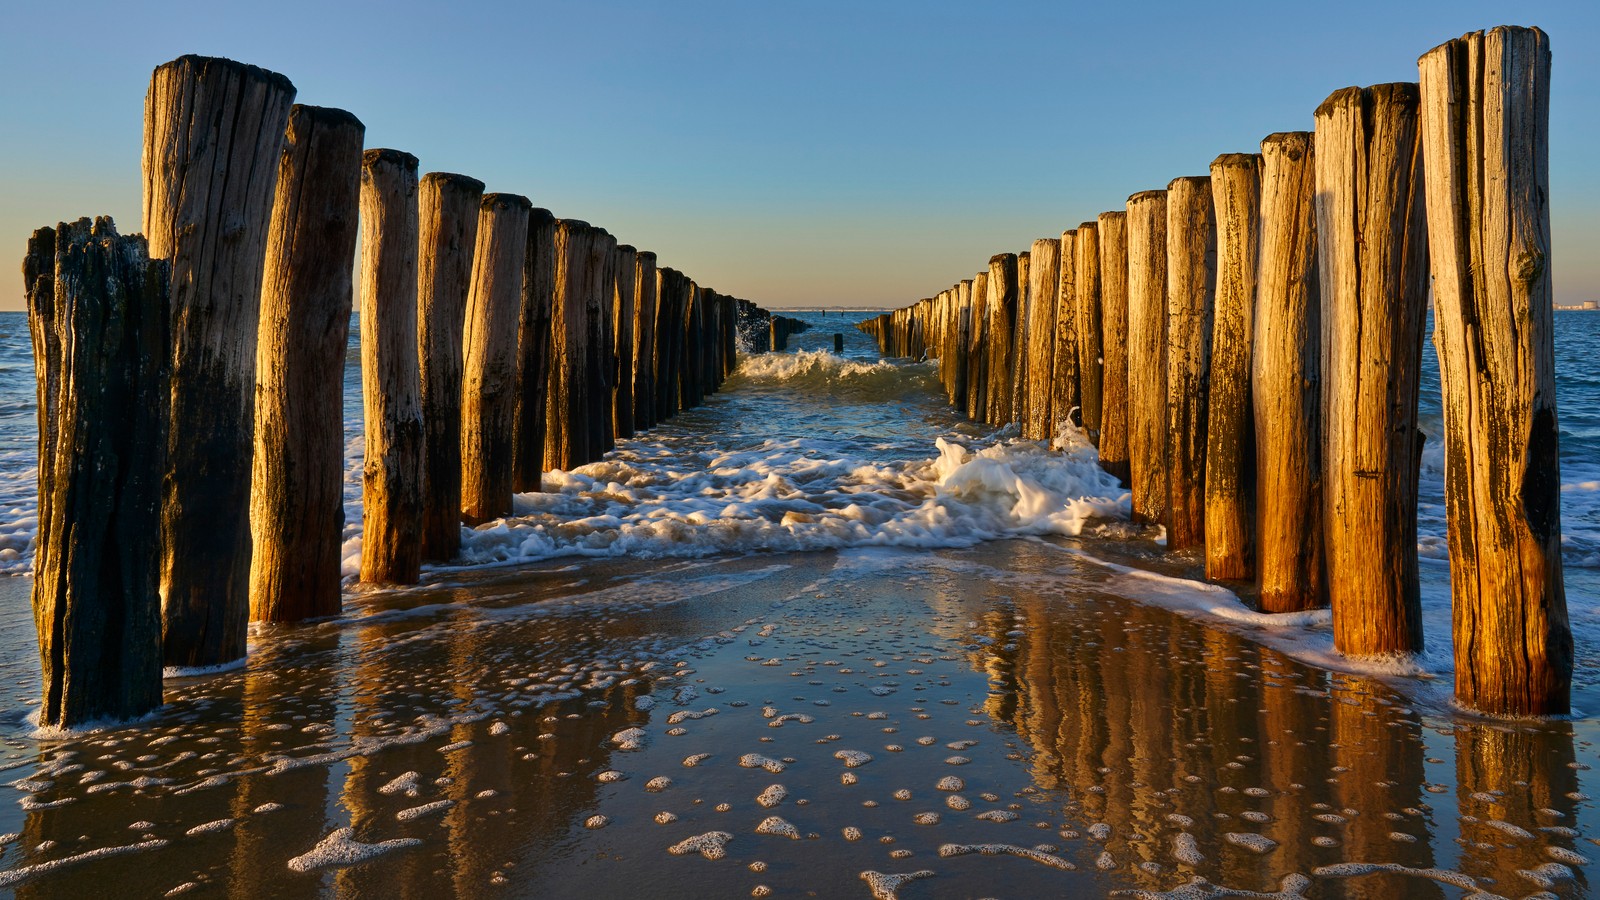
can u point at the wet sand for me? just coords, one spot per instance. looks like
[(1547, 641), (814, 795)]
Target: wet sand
[(1099, 744)]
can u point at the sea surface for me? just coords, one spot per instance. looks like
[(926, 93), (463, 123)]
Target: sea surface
[(819, 636)]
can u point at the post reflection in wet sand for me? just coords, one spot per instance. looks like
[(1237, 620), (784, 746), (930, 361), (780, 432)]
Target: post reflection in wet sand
[(460, 731)]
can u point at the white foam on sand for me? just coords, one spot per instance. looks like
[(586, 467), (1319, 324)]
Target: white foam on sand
[(342, 849)]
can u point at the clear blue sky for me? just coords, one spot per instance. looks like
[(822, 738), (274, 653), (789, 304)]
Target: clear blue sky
[(854, 153)]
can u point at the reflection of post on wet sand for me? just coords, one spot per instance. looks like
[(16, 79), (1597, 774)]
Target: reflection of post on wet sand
[(1378, 774), (1521, 775), (1294, 751), (262, 843)]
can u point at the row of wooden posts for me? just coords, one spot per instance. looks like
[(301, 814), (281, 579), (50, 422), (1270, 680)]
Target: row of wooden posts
[(1245, 351), (191, 432)]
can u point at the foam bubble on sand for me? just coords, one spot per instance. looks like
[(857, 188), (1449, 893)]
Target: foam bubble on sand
[(776, 826), (629, 739), (209, 827), (853, 759), (1038, 856), (1292, 887), (772, 795), (611, 776), (417, 812), (1355, 869), (757, 761), (21, 874), (1255, 843), (711, 845), (998, 815), (595, 823), (884, 886), (1186, 849), (950, 783), (696, 759), (658, 783), (402, 784), (687, 715), (340, 848)]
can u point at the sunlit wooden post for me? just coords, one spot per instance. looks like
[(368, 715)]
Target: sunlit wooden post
[(1230, 469), (1019, 340), (577, 276), (603, 350), (1044, 280), (1112, 228), (1191, 295), (978, 381), (213, 133), (1147, 354), (491, 369), (1002, 308), (1285, 376), (623, 318), (297, 489), (447, 221), (533, 347), (1065, 397), (1087, 322), (1486, 135), (1373, 261), (644, 340), (391, 484), (98, 311)]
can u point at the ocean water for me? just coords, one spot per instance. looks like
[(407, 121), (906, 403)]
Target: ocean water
[(808, 450)]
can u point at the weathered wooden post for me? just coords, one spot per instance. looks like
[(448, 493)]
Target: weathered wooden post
[(447, 218), (1088, 329), (1285, 375), (1002, 308), (1191, 294), (603, 354), (1373, 261), (213, 131), (391, 479), (1044, 281), (623, 316), (838, 344), (492, 369), (978, 381), (98, 310), (1147, 354), (1065, 397), (1112, 232), (670, 287), (578, 274), (1019, 340), (963, 346), (1230, 471), (1485, 133), (645, 305), (297, 492), (533, 347), (689, 385)]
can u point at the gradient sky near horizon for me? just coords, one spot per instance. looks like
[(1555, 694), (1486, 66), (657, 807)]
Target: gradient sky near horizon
[(800, 154)]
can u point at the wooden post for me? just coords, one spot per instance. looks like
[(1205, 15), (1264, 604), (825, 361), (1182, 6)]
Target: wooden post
[(492, 369), (98, 310), (1285, 375), (447, 218), (391, 479), (1147, 354), (603, 354), (533, 346), (1064, 393), (1191, 295), (623, 316), (1486, 132), (645, 303), (838, 344), (1002, 309), (213, 132), (689, 385), (1372, 255), (670, 287), (1087, 322), (1112, 232), (1230, 473), (978, 382), (297, 492), (578, 275), (1019, 340), (963, 346), (1044, 281)]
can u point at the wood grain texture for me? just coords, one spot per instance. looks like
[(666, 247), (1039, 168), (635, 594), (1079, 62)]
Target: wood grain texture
[(213, 132), (1286, 381), (577, 292), (1191, 298), (645, 305), (603, 358), (1230, 479), (1087, 327), (99, 308), (978, 358), (1002, 310), (391, 477), (533, 346), (1373, 265), (1044, 280), (297, 488), (623, 318), (1147, 354), (1019, 338), (1064, 391), (1112, 230), (447, 221), (1485, 107), (491, 368)]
